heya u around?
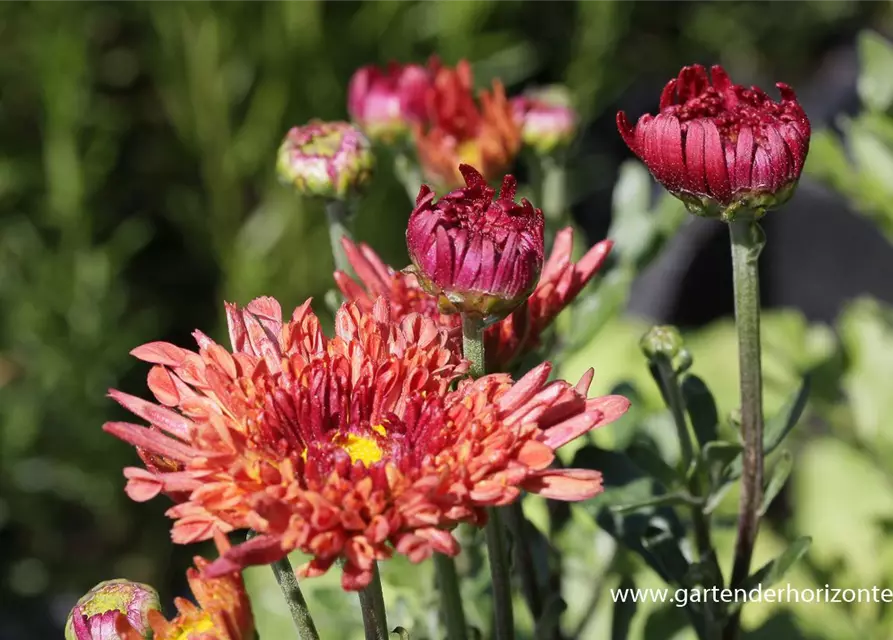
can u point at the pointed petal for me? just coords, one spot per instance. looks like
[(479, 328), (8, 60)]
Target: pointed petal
[(165, 419), (571, 485)]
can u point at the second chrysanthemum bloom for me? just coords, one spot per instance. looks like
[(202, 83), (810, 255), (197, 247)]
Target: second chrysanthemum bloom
[(347, 448), (721, 147), (479, 255)]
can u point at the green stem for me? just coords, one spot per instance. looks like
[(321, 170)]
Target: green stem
[(553, 195), (300, 613), (340, 226), (450, 597), (408, 173), (700, 521), (514, 516), (473, 344), (500, 575), (473, 348), (747, 242), (375, 620), (677, 409)]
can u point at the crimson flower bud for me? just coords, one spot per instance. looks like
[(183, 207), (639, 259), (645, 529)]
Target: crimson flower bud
[(547, 119), (477, 255), (95, 614), (326, 159), (723, 148), (386, 104)]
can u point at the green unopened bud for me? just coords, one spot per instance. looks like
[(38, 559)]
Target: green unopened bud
[(94, 616), (326, 159), (661, 341)]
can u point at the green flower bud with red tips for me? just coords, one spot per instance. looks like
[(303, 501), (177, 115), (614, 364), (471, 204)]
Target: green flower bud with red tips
[(547, 119), (94, 616), (480, 256), (722, 149), (326, 159)]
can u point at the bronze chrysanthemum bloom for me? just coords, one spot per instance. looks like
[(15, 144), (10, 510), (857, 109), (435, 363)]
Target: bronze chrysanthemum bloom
[(346, 448)]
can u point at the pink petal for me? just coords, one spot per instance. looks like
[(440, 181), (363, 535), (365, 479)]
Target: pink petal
[(160, 353), (165, 419), (571, 485)]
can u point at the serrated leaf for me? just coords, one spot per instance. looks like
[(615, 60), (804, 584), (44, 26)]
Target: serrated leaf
[(875, 83), (777, 480), (781, 423), (624, 610), (774, 570), (701, 409)]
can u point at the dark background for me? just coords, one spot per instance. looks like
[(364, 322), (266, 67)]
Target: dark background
[(137, 191)]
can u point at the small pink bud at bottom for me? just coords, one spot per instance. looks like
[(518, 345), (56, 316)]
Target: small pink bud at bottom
[(94, 616)]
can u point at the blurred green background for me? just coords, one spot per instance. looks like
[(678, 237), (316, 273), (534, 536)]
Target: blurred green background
[(137, 191)]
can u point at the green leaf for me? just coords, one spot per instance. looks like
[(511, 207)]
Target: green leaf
[(774, 570), (670, 499), (777, 480), (701, 409), (401, 633), (663, 546), (781, 423), (648, 459), (722, 460), (624, 611), (626, 484), (866, 331), (875, 80)]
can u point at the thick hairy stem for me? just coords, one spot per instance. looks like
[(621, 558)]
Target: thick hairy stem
[(747, 242)]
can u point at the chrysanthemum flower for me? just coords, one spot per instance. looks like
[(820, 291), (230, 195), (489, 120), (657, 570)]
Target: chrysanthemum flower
[(387, 103), (350, 447), (223, 611), (95, 615), (547, 119), (479, 255), (506, 341), (457, 131), (722, 147)]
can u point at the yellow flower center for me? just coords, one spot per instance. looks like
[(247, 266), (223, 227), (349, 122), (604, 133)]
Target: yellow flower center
[(366, 450), (195, 626), (469, 152), (361, 448)]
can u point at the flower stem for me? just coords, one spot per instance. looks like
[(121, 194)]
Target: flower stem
[(300, 613), (500, 575), (450, 597), (747, 242), (473, 344), (553, 194), (677, 408), (340, 226), (375, 620), (700, 521), (473, 348), (514, 516)]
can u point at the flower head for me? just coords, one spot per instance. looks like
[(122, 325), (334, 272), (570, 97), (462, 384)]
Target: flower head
[(722, 148), (223, 611), (547, 119), (458, 131), (346, 448), (386, 104), (95, 614), (506, 341), (326, 159), (477, 254)]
